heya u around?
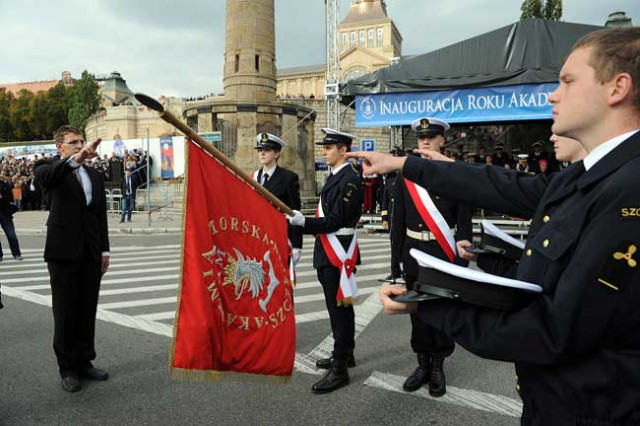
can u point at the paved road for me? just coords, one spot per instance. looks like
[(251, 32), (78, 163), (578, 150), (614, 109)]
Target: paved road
[(136, 311)]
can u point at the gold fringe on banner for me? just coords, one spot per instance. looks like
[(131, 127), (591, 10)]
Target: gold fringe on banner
[(225, 376)]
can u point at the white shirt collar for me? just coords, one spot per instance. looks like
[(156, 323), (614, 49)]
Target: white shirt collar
[(269, 172), (603, 149), (337, 169)]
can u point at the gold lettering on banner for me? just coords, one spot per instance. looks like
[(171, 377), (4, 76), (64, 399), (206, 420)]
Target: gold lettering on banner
[(259, 321), (212, 226), (244, 323), (230, 319), (220, 268)]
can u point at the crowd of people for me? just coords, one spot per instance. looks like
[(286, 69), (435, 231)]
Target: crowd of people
[(17, 173)]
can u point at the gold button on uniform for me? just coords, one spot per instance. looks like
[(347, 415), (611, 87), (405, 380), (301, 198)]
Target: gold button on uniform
[(546, 218), (545, 243), (529, 253)]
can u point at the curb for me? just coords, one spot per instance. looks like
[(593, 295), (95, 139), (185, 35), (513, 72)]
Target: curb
[(112, 231)]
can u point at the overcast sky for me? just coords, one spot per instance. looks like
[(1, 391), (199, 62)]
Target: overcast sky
[(175, 48)]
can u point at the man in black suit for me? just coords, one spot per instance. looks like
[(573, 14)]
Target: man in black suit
[(76, 252), (339, 212), (411, 230), (129, 186), (280, 182), (575, 346), (7, 209)]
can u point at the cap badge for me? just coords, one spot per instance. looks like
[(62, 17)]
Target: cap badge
[(264, 137), (424, 123)]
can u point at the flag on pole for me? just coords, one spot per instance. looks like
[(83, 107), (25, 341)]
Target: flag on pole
[(235, 318)]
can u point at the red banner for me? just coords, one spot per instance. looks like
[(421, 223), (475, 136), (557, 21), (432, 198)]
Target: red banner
[(235, 318)]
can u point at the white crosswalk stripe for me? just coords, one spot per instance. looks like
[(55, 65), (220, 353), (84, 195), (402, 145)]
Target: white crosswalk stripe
[(142, 283)]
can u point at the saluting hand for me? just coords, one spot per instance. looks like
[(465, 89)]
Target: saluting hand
[(87, 152), (389, 306), (432, 155), (375, 162)]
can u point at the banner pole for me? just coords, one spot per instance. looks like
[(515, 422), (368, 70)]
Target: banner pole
[(215, 153)]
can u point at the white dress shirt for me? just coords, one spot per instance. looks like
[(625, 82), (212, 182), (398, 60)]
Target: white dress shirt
[(603, 149)]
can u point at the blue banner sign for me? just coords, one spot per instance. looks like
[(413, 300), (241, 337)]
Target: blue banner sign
[(508, 103)]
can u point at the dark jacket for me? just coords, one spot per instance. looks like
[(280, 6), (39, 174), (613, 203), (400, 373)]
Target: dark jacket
[(341, 198), (6, 206), (577, 346), (72, 226), (406, 216), (285, 186)]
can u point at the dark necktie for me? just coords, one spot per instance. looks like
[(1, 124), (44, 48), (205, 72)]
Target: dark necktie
[(266, 179)]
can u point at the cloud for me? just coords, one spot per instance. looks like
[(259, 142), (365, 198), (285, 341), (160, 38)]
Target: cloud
[(177, 49)]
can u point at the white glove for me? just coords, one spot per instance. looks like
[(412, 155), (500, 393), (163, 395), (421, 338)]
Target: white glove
[(297, 219), (296, 255)]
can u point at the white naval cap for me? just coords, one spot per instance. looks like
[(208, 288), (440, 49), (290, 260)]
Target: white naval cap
[(332, 137), (429, 126), (428, 261), (523, 156), (269, 141)]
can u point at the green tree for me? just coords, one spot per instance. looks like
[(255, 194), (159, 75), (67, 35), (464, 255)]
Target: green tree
[(552, 10), (38, 110), (58, 112), (19, 116), (85, 100), (6, 129), (531, 9)]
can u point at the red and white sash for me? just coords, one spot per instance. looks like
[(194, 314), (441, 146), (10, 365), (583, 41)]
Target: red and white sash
[(345, 261), (433, 218)]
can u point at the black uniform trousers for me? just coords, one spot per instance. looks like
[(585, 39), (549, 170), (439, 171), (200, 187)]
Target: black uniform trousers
[(75, 286), (424, 338), (342, 318)]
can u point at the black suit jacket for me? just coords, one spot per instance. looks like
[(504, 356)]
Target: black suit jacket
[(134, 185), (6, 207), (342, 198), (284, 185), (72, 226), (576, 346)]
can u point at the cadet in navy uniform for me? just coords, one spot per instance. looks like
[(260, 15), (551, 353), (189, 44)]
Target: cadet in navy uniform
[(280, 182), (410, 231), (341, 198), (577, 346)]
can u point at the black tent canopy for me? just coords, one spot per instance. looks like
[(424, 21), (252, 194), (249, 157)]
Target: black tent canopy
[(530, 51)]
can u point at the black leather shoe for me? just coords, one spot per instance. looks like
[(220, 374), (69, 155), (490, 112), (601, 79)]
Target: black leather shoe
[(71, 383), (94, 374), (333, 379), (437, 383), (326, 363), (18, 257), (420, 375)]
